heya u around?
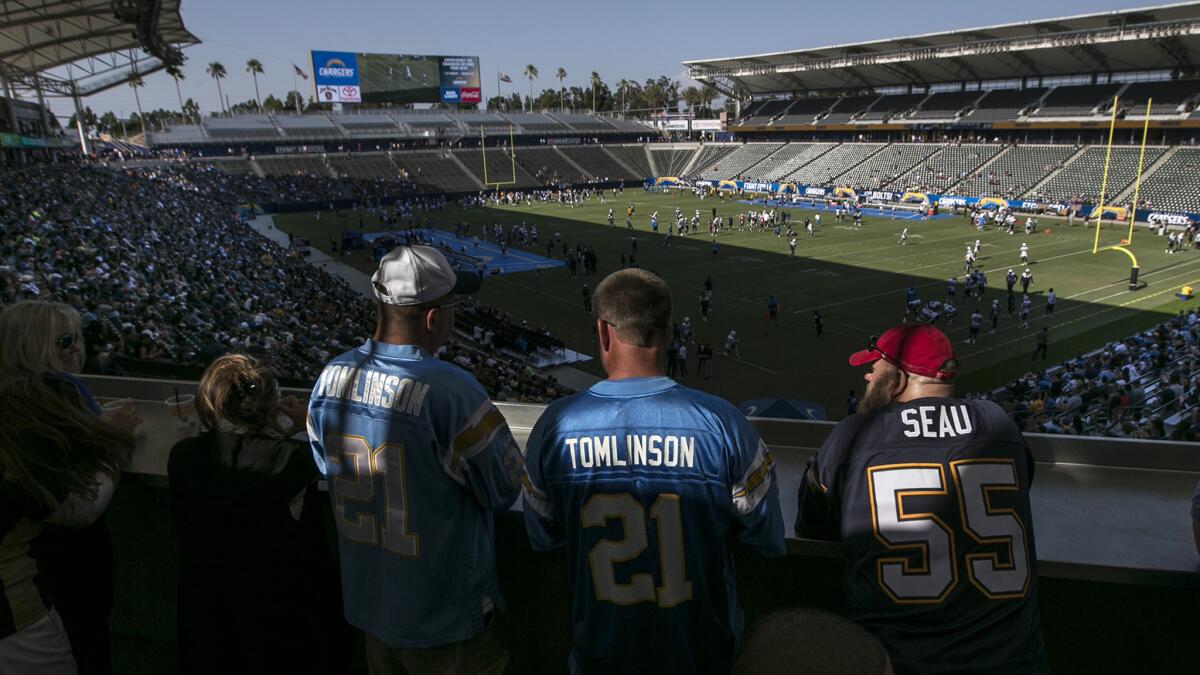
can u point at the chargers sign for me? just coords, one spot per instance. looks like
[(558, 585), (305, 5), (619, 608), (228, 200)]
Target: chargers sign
[(335, 75)]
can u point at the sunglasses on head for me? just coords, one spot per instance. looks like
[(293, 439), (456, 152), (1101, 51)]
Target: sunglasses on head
[(67, 341)]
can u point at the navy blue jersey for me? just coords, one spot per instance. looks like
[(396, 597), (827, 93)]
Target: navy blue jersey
[(931, 501), (647, 483)]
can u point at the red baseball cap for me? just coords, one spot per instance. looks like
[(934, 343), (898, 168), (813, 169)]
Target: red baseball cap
[(915, 348)]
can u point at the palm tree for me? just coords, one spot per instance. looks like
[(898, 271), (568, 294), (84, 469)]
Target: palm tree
[(135, 83), (709, 93), (621, 85), (217, 72), (561, 75), (177, 75), (596, 82), (254, 67), (531, 72)]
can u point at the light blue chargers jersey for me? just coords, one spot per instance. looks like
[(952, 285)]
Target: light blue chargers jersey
[(647, 482), (417, 458)]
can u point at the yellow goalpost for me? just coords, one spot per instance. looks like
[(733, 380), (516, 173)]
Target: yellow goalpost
[(1127, 243), (512, 153)]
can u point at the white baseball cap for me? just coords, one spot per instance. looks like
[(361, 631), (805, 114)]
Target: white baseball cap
[(415, 275)]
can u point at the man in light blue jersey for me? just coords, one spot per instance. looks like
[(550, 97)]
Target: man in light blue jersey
[(417, 459), (647, 483)]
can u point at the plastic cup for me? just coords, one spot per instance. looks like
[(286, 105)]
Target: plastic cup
[(181, 407)]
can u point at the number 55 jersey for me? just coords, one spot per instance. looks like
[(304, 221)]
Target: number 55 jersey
[(931, 501), (647, 484)]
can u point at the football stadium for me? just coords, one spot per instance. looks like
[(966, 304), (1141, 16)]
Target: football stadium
[(392, 372)]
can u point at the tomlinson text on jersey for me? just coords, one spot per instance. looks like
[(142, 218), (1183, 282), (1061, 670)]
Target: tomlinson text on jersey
[(637, 450)]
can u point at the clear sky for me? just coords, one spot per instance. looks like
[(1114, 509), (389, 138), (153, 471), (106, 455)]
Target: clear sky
[(618, 39)]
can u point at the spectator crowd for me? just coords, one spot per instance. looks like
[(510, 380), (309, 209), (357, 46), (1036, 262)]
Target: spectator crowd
[(164, 275), (1141, 387)]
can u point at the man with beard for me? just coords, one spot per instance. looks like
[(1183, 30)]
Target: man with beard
[(930, 496)]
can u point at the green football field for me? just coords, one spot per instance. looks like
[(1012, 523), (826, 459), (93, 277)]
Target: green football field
[(855, 277)]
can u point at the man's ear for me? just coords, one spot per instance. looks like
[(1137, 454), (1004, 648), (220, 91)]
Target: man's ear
[(603, 332), (431, 320)]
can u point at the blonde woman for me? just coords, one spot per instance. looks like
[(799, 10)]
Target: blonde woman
[(40, 340), (254, 579), (58, 466), (45, 338)]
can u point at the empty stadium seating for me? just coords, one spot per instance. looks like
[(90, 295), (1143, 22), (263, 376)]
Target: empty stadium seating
[(177, 134), (634, 156), (435, 172), (736, 163), (492, 125), (598, 163), (307, 127), (944, 105), (762, 112), (1083, 176), (428, 124), (1167, 97), (501, 169), (710, 157), (804, 110), (1077, 100), (244, 127), (629, 126), (823, 169), (946, 167), (846, 108), (1015, 171), (546, 165), (670, 159), (1004, 104), (536, 123), (890, 106), (1175, 184), (886, 165), (581, 122), (790, 158), (367, 123)]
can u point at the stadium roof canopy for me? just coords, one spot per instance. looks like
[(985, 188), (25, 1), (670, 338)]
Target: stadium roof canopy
[(1150, 38), (70, 47)]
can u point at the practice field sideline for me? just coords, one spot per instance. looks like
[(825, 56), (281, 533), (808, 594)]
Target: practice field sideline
[(855, 277)]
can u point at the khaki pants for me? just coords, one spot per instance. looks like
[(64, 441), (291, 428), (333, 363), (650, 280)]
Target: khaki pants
[(480, 655)]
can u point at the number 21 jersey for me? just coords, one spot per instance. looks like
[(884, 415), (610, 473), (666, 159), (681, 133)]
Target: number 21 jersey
[(646, 483)]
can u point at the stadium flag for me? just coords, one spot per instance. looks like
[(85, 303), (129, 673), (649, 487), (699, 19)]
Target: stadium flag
[(505, 78), (299, 72)]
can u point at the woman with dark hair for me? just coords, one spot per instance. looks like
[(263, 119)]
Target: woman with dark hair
[(59, 464), (257, 585), (41, 339)]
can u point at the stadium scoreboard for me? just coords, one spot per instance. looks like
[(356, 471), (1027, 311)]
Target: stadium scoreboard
[(350, 77)]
